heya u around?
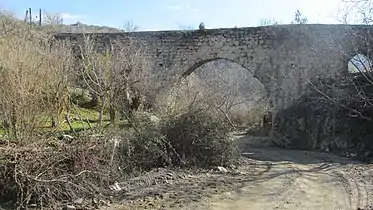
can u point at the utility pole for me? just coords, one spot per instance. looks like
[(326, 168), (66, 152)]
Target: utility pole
[(30, 15), (26, 16), (39, 17)]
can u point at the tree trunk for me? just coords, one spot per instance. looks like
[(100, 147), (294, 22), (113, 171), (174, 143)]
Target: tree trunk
[(54, 123), (112, 114), (67, 116), (13, 121), (127, 104), (136, 102), (101, 116)]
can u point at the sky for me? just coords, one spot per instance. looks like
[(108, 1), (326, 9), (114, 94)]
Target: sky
[(177, 14)]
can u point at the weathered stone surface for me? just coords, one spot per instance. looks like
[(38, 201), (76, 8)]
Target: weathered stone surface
[(331, 124), (283, 57)]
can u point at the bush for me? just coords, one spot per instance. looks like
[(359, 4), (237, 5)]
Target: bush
[(143, 148), (37, 79), (194, 138), (200, 139), (81, 97), (33, 75), (47, 174), (35, 168)]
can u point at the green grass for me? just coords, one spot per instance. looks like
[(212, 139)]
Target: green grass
[(89, 116), (89, 119), (2, 132)]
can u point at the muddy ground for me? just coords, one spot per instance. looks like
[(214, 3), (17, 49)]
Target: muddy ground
[(269, 178)]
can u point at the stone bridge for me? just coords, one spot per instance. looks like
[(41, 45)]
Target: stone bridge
[(282, 57)]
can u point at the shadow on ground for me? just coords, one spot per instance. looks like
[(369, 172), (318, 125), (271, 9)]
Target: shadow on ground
[(260, 148), (261, 164)]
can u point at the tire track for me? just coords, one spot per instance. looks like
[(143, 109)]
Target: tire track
[(357, 188), (274, 178), (306, 182)]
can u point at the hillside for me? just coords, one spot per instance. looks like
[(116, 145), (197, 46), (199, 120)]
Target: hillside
[(10, 20), (81, 27)]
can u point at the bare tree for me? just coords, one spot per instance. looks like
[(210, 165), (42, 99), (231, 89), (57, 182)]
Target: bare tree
[(221, 87), (360, 64), (356, 12), (268, 22), (50, 18), (131, 78), (34, 76), (118, 76), (130, 27), (299, 19), (345, 102)]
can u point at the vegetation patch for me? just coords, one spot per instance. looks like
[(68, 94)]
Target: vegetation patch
[(191, 139), (45, 174), (49, 98), (199, 138)]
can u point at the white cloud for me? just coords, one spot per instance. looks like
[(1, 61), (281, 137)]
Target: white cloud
[(185, 7), (67, 16)]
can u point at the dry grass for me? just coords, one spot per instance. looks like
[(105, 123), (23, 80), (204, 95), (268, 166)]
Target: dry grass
[(195, 138), (35, 76), (226, 103), (119, 77), (37, 168), (47, 172), (199, 138)]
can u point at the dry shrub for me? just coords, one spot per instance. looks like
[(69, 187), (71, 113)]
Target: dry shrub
[(48, 174), (178, 99), (233, 107), (344, 103), (196, 130), (144, 148), (33, 75), (35, 80), (195, 138), (199, 138), (119, 76)]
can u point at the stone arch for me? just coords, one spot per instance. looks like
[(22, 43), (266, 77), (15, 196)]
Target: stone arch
[(195, 66), (270, 115), (359, 63), (199, 64)]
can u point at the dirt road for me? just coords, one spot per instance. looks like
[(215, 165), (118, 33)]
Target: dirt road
[(280, 179), (299, 180)]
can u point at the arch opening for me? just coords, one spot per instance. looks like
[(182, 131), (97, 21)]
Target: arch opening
[(229, 89), (359, 64), (194, 67)]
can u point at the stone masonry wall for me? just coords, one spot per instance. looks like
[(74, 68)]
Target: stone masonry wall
[(284, 57)]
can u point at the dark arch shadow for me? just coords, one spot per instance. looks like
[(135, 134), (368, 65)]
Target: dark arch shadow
[(267, 118), (197, 65), (359, 63)]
